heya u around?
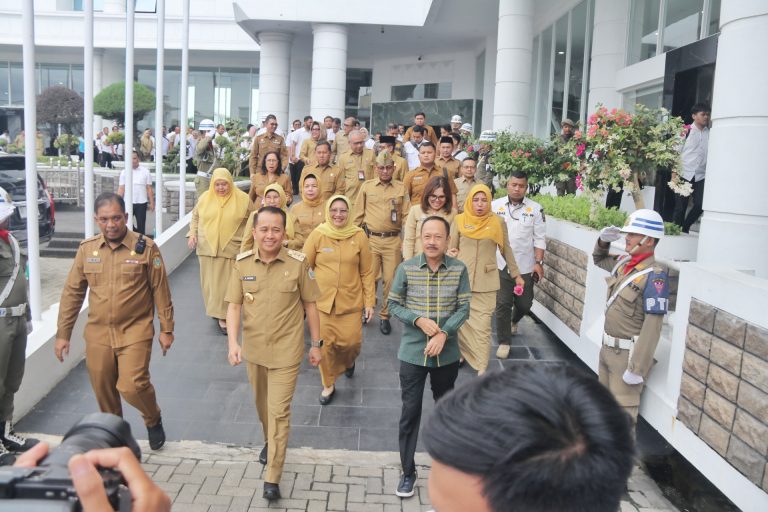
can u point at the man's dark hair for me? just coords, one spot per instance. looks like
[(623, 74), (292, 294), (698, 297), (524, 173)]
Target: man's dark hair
[(469, 157), (521, 175), (700, 107), (323, 142), (219, 125), (270, 117), (551, 438), (427, 144), (327, 118), (248, 126), (422, 114), (108, 197), (307, 118), (436, 218), (433, 184), (268, 209), (337, 120), (279, 163), (456, 137), (419, 129)]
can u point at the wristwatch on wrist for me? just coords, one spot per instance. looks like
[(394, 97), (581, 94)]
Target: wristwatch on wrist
[(540, 262), (317, 344)]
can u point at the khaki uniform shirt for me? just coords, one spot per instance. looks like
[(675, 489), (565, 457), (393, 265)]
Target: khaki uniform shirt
[(125, 288), (308, 217), (626, 317), (205, 155), (329, 177), (380, 206), (273, 297), (480, 258), (307, 151), (357, 169), (463, 185), (451, 164), (343, 272), (260, 181), (18, 293), (416, 180), (430, 135), (340, 144), (401, 167), (262, 145)]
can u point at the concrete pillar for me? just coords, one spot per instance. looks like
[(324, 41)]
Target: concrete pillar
[(513, 65), (609, 42), (98, 83), (274, 75), (489, 85), (329, 70), (734, 229), (301, 78)]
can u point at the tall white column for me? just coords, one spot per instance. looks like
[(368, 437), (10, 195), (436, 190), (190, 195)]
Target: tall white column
[(98, 83), (88, 117), (489, 85), (301, 78), (513, 65), (608, 52), (274, 75), (734, 229), (329, 70)]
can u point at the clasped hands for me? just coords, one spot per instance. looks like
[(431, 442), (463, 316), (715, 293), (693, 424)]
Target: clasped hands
[(436, 336)]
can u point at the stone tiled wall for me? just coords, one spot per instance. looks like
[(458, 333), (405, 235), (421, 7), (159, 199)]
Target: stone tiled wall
[(171, 201), (562, 289), (724, 390)]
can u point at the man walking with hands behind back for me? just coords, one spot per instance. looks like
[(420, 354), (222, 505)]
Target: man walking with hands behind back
[(126, 277)]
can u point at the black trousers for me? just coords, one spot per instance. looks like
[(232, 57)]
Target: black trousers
[(613, 198), (412, 380), (295, 170), (506, 300), (663, 196), (681, 204), (140, 216)]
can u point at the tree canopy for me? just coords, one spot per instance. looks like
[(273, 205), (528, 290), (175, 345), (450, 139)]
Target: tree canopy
[(59, 105), (110, 102)]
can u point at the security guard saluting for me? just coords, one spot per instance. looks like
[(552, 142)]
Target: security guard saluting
[(275, 284), (126, 277), (14, 318), (379, 210), (638, 299), (206, 156)]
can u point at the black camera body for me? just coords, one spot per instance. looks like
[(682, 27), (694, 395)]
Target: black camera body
[(48, 487)]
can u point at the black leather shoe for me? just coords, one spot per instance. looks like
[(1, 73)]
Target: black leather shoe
[(271, 492), (384, 326), (349, 372), (222, 330), (325, 400), (156, 435), (263, 455)]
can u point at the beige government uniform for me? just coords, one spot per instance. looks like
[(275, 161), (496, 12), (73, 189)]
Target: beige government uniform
[(357, 169), (343, 272), (307, 217), (430, 135), (340, 145), (215, 267), (463, 185), (416, 181), (480, 258), (307, 151), (401, 167), (630, 335), (329, 177), (261, 181), (450, 164), (273, 349), (379, 211), (412, 233), (125, 288), (262, 145)]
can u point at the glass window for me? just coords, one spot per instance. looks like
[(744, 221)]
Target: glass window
[(146, 5), (682, 23), (5, 93), (714, 17), (576, 74), (98, 5), (644, 30), (651, 97), (53, 75), (433, 91), (232, 95), (78, 80), (201, 102), (558, 86), (544, 84), (17, 84)]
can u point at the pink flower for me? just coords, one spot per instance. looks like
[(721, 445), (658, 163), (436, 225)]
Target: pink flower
[(592, 118), (580, 149), (579, 184), (518, 290), (592, 130)]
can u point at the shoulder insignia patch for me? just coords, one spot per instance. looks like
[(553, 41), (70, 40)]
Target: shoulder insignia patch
[(296, 255), (90, 239), (243, 255), (656, 293), (157, 262)]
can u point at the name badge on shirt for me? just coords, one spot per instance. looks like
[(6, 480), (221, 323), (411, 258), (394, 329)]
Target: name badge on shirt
[(248, 278), (135, 262), (361, 175), (327, 249), (93, 260)]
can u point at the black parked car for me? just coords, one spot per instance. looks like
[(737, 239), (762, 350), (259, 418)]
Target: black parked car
[(13, 180)]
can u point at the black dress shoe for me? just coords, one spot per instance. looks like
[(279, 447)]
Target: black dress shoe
[(384, 326), (271, 492), (326, 399), (263, 455), (349, 372), (156, 435), (222, 330)]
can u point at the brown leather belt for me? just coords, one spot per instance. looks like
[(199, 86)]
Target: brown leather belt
[(382, 235)]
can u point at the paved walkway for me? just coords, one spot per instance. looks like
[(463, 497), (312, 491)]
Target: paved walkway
[(342, 456)]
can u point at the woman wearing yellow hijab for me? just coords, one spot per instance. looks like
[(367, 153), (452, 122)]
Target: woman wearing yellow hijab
[(274, 195), (339, 255), (310, 211), (215, 231), (476, 234)]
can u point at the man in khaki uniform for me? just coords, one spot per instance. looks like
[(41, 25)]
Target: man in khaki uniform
[(356, 165), (388, 143), (416, 180), (638, 296), (274, 283), (446, 160), (466, 181), (329, 177), (420, 119), (341, 140), (126, 277), (379, 211), (266, 142), (205, 155)]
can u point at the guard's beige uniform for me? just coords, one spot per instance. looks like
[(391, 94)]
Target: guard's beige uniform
[(125, 288), (273, 349), (205, 156), (379, 211), (627, 325)]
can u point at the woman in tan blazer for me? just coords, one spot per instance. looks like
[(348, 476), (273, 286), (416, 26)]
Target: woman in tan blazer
[(339, 255), (476, 234), (437, 200), (307, 150), (271, 172), (310, 211)]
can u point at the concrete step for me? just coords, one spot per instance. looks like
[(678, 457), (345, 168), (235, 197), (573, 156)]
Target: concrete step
[(49, 252), (64, 243), (65, 234)]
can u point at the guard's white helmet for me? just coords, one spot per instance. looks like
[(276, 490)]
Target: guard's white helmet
[(645, 222), (206, 125)]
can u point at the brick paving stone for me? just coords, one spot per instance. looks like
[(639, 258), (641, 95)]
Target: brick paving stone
[(322, 473), (213, 499), (211, 485), (337, 501), (163, 473)]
